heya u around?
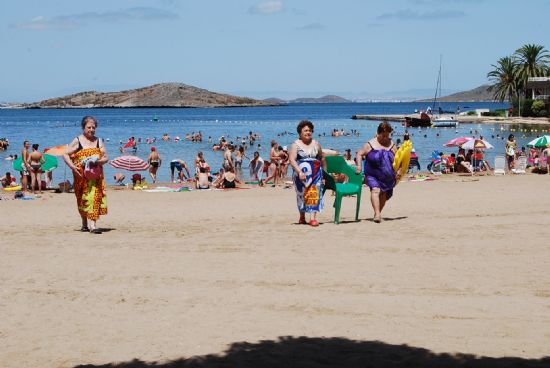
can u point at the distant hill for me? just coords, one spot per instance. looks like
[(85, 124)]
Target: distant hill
[(324, 99), (275, 101), (479, 94), (158, 95)]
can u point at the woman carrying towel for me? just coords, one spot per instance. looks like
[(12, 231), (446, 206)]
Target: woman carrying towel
[(306, 158), (86, 156)]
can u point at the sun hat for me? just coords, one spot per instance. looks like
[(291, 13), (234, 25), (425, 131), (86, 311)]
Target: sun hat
[(153, 149), (284, 148)]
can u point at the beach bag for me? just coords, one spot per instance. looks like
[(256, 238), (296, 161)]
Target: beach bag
[(92, 172)]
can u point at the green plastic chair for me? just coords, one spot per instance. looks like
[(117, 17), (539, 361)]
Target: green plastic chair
[(337, 165)]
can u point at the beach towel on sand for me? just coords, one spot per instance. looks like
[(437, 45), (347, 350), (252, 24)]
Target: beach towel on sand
[(309, 194)]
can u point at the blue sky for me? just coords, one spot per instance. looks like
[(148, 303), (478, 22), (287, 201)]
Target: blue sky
[(275, 48)]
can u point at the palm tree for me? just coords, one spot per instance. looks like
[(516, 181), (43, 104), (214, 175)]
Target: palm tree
[(533, 61), (505, 79)]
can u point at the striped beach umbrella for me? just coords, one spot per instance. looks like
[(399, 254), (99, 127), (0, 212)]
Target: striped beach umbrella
[(540, 141), (130, 163), (477, 144)]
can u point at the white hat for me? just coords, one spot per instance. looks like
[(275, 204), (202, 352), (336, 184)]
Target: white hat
[(413, 150), (284, 148)]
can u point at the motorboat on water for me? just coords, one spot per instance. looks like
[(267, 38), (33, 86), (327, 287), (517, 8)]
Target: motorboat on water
[(444, 122)]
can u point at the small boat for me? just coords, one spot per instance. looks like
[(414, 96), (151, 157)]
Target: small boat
[(442, 122), (155, 118), (418, 120)]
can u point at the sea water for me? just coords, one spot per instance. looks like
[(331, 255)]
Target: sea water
[(52, 127)]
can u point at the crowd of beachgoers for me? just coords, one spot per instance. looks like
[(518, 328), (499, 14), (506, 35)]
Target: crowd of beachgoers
[(230, 172)]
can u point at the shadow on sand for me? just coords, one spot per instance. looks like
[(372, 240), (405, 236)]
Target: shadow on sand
[(306, 352)]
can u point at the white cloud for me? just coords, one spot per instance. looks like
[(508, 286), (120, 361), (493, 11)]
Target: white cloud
[(410, 15), (312, 27), (267, 7), (65, 22)]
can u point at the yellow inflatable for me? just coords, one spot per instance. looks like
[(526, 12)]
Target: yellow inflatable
[(402, 159), (12, 189)]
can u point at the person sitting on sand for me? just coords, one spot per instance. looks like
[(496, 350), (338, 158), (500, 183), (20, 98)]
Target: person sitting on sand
[(462, 164), (8, 180), (202, 179)]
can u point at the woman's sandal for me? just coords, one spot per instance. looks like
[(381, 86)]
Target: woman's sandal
[(313, 222), (377, 219), (84, 229), (96, 231)]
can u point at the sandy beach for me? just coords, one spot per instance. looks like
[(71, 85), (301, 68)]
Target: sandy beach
[(458, 266)]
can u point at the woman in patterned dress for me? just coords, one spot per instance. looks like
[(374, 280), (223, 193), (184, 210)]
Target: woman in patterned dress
[(86, 156)]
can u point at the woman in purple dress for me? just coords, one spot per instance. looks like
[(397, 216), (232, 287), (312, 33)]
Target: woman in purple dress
[(380, 176)]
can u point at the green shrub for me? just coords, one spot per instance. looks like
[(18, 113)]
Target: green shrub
[(537, 107), (471, 113)]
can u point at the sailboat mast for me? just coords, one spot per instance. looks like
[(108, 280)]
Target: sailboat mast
[(438, 85)]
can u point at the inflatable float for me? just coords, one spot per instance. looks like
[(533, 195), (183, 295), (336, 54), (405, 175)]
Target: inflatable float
[(402, 159), (13, 189)]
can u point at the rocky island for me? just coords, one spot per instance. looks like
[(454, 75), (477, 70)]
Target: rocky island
[(158, 95)]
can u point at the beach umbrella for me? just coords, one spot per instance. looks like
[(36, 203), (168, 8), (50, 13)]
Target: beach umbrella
[(477, 144), (130, 163), (50, 163), (540, 141), (57, 150), (457, 142)]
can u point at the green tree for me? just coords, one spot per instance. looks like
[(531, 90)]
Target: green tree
[(533, 61), (504, 77)]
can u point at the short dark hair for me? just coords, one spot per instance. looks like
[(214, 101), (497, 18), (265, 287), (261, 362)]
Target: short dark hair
[(85, 120), (304, 123), (35, 146), (384, 127)]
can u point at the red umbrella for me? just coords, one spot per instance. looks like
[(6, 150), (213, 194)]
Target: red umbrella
[(457, 142), (130, 163)]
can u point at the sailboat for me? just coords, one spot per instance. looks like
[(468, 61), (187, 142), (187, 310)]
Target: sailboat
[(441, 121)]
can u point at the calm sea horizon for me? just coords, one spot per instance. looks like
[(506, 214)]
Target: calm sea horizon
[(52, 127)]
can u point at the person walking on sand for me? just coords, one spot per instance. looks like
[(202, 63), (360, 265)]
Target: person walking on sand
[(25, 167), (257, 168), (35, 162), (86, 156), (275, 164), (381, 178), (306, 158), (154, 163), (511, 147)]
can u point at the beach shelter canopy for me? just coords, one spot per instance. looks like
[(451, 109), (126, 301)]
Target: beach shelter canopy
[(477, 144), (457, 142), (130, 163), (543, 141), (50, 163)]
